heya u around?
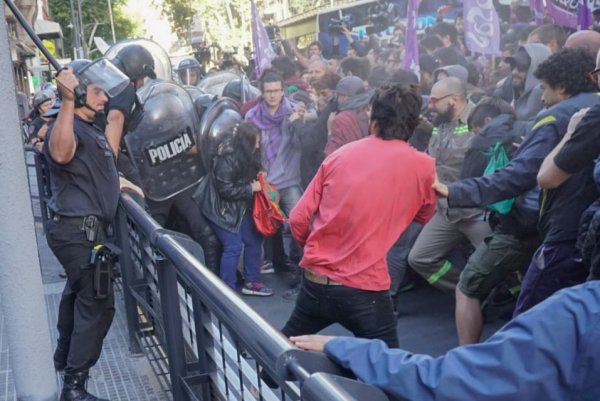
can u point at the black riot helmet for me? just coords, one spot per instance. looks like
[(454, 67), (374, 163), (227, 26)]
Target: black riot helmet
[(190, 72), (42, 97), (240, 90), (99, 72), (135, 61)]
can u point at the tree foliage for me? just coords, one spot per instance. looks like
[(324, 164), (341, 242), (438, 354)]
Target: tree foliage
[(96, 22), (225, 22), (301, 6)]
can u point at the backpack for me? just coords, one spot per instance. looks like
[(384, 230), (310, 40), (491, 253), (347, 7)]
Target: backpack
[(498, 159)]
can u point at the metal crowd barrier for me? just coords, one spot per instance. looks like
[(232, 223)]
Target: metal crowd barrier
[(202, 340)]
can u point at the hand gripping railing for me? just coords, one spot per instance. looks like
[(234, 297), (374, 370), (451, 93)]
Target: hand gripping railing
[(197, 332)]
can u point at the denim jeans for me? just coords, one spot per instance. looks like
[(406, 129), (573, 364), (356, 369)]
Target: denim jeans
[(397, 256), (232, 249), (289, 198), (367, 314)]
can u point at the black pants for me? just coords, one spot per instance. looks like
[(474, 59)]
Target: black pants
[(83, 321), (367, 314), (181, 213)]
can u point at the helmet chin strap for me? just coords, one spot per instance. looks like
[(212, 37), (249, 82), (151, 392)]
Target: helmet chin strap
[(97, 113)]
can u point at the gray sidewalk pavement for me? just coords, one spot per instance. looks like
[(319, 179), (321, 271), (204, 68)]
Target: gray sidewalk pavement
[(118, 376)]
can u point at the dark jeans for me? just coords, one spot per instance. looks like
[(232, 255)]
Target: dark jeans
[(367, 314), (251, 240), (397, 256), (83, 321), (554, 266)]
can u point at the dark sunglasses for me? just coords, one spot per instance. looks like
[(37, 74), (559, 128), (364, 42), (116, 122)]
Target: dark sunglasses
[(593, 75)]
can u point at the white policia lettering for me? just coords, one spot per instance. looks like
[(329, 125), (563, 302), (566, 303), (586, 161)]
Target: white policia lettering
[(171, 149)]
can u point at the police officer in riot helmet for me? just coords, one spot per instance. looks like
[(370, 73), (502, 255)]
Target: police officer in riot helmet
[(85, 193), (190, 72), (240, 90), (42, 102), (137, 63), (163, 147)]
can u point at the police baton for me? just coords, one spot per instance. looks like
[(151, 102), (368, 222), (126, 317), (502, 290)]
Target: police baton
[(33, 35)]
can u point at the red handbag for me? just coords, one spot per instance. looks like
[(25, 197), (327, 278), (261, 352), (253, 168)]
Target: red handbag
[(266, 213)]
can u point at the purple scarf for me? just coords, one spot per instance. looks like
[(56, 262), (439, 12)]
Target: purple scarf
[(273, 127)]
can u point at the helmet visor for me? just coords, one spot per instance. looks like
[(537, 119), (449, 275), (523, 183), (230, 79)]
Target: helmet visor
[(104, 73), (190, 76)]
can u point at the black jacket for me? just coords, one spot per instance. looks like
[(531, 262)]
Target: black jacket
[(502, 128), (225, 193)]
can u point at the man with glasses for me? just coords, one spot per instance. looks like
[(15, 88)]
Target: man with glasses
[(521, 88), (556, 263), (449, 142), (281, 123)]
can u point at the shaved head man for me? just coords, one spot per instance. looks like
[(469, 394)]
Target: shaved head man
[(316, 69), (588, 40)]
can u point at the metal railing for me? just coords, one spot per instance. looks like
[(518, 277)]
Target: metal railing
[(204, 342)]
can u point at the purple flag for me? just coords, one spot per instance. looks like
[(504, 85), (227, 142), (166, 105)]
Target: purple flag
[(263, 51), (564, 13), (538, 10), (584, 16), (482, 27), (411, 44)]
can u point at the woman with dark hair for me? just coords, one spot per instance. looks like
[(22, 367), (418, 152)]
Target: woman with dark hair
[(227, 206)]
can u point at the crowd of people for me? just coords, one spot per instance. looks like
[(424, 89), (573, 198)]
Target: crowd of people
[(476, 175)]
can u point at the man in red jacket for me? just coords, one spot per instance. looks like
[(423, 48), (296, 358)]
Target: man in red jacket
[(362, 198), (351, 122)]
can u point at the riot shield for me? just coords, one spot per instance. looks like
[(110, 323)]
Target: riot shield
[(193, 91), (162, 144), (216, 125), (214, 82), (162, 63), (240, 90)]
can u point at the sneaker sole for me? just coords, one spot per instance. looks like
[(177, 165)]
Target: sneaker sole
[(257, 293)]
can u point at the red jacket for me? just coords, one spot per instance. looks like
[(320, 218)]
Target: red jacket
[(362, 198), (347, 126)]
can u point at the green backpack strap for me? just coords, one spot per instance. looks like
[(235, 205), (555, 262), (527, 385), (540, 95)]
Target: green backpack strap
[(498, 159)]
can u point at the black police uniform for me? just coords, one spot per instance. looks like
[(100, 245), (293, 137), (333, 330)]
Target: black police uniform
[(126, 103), (86, 186), (35, 126)]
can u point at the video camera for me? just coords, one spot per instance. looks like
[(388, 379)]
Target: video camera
[(201, 51), (336, 26), (274, 34), (202, 54), (380, 16)]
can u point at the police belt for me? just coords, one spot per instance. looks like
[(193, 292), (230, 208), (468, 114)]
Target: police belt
[(319, 279), (84, 222)]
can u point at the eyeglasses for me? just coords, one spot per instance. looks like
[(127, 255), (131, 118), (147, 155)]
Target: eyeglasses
[(593, 75), (433, 100)]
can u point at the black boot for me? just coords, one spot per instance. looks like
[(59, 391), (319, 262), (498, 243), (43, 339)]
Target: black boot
[(74, 388)]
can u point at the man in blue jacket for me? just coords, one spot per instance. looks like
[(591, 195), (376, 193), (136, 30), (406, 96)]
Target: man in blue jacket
[(555, 264), (550, 353)]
